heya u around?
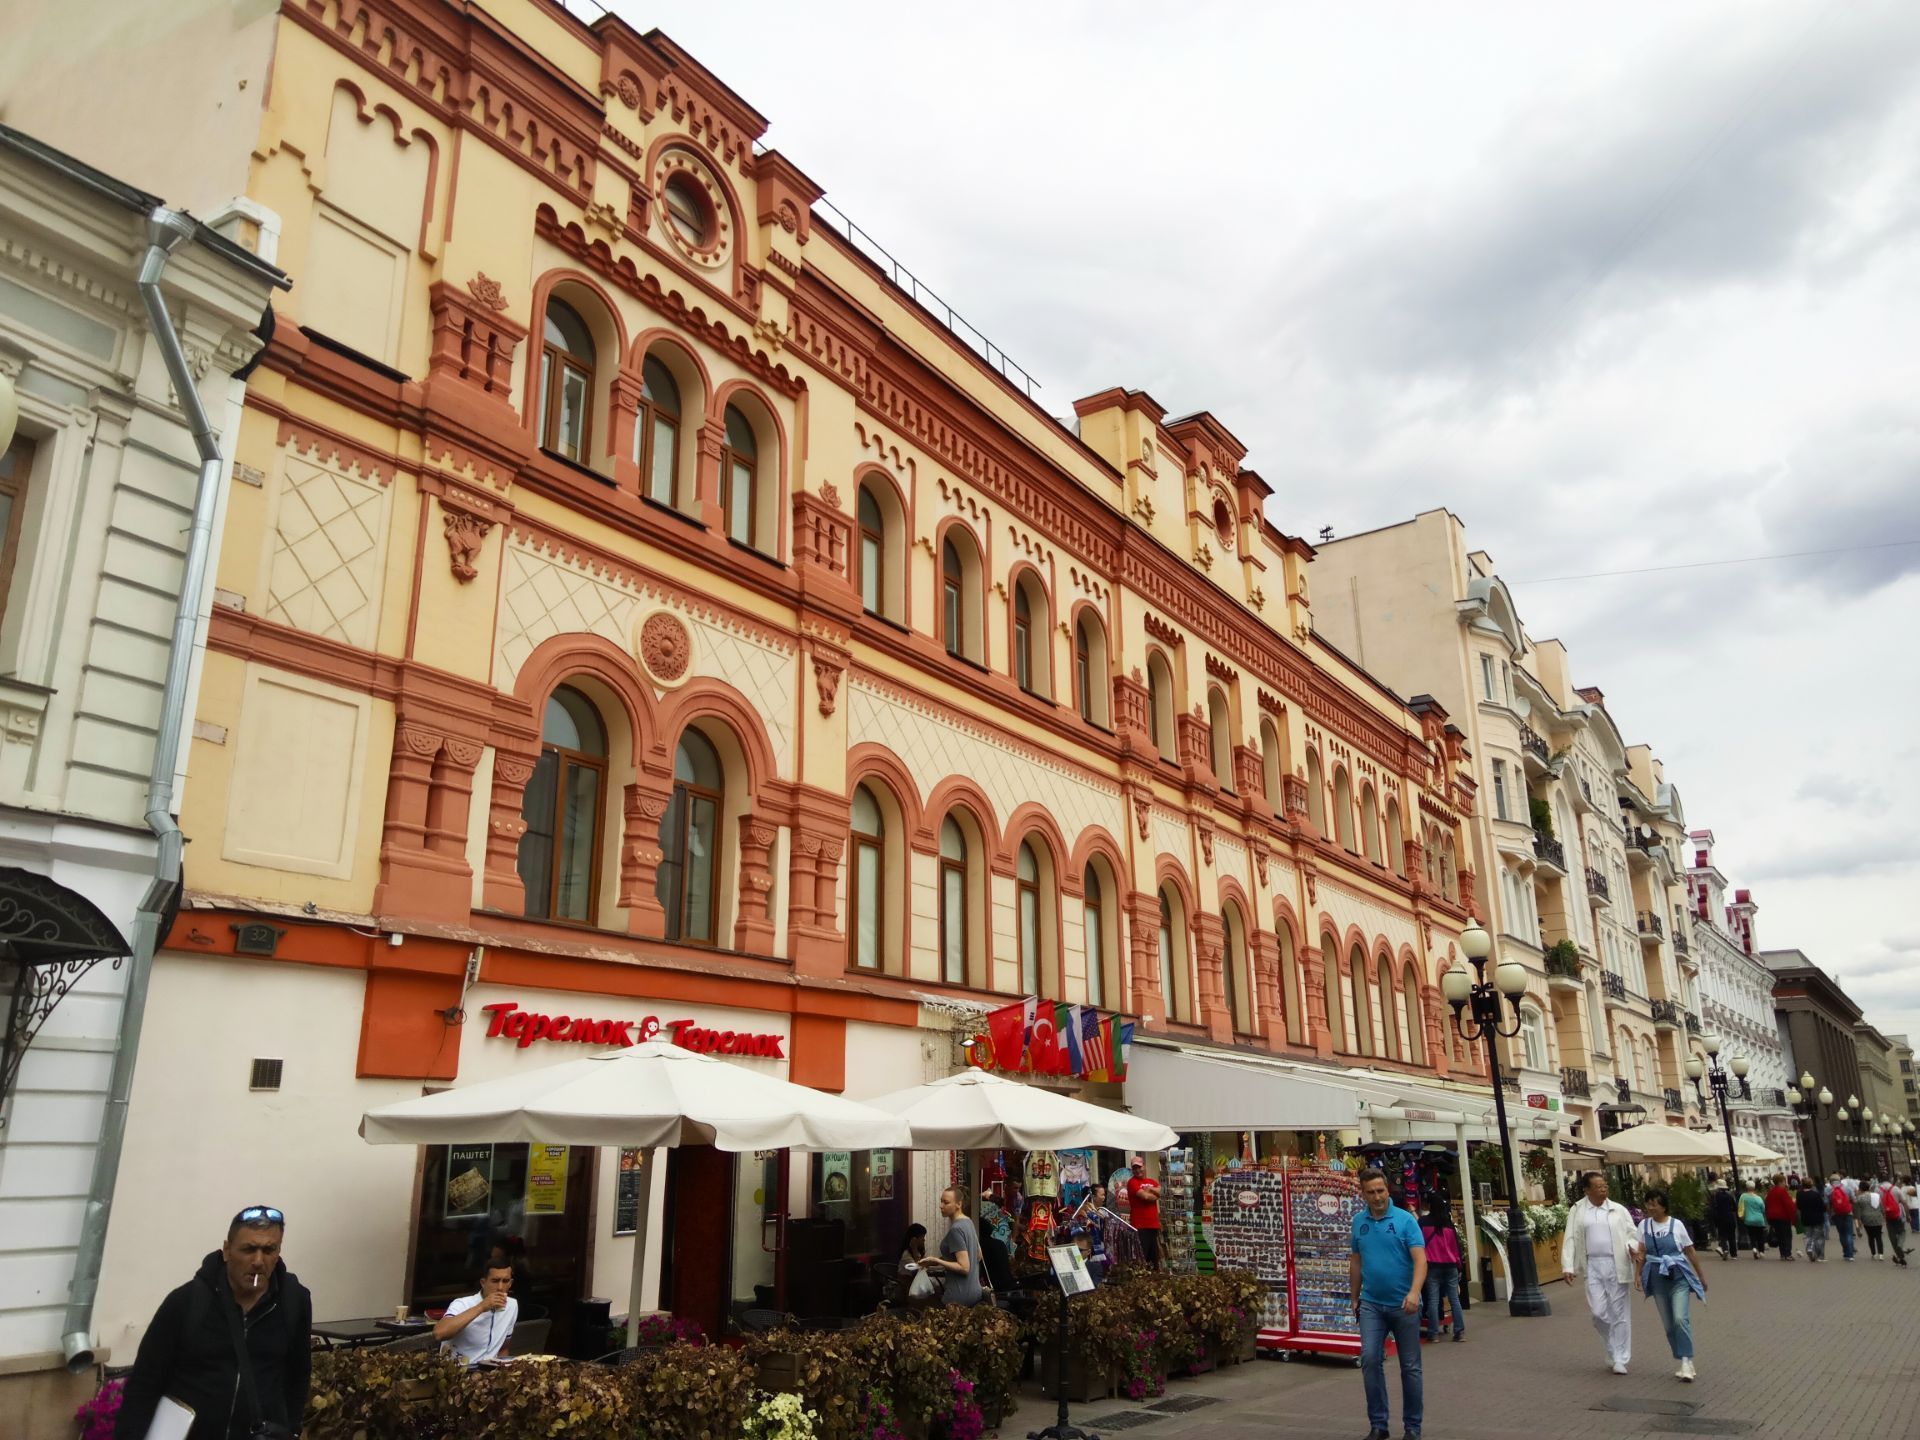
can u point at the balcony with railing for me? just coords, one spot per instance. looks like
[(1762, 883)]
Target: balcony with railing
[(1777, 1096), (1665, 1012), (1693, 1023), (1563, 966), (1650, 925), (1510, 1082), (1549, 851), (1673, 1101), (1534, 750), (1613, 986), (1574, 1083), (1597, 886), (1681, 945)]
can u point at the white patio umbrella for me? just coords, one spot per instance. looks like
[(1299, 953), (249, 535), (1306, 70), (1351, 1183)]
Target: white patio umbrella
[(1659, 1144), (1746, 1151), (978, 1110), (652, 1095)]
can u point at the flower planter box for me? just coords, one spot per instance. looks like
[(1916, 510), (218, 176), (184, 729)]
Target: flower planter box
[(1245, 1353), (1084, 1381), (1203, 1366), (779, 1372)]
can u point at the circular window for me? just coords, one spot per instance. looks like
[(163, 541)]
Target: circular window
[(688, 210)]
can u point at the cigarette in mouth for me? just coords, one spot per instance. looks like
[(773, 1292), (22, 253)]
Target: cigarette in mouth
[(253, 1282)]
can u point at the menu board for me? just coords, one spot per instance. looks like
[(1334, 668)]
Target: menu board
[(469, 1180), (1250, 1233), (546, 1179), (626, 1194), (1321, 1205)]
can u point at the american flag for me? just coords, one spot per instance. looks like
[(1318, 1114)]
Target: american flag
[(1093, 1043)]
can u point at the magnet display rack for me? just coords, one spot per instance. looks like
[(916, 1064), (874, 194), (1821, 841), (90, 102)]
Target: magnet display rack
[(1320, 1206), (1179, 1208), (1250, 1233)]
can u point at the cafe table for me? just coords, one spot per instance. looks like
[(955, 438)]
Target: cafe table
[(354, 1334)]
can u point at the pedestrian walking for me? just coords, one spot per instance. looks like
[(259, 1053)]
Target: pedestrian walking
[(1724, 1211), (1813, 1218), (1866, 1209), (1443, 1270), (1781, 1213), (1387, 1270), (1753, 1219), (1670, 1275), (1600, 1243), (1910, 1197), (959, 1256), (1840, 1211), (231, 1345), (1894, 1211)]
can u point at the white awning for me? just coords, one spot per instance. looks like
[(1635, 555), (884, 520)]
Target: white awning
[(1195, 1089)]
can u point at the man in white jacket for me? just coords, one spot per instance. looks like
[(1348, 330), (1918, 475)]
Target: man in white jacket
[(1601, 1242)]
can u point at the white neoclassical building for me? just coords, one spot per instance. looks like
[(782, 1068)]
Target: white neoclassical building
[(1736, 991)]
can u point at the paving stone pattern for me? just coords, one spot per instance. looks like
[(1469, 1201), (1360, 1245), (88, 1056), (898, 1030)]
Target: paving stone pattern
[(1784, 1349)]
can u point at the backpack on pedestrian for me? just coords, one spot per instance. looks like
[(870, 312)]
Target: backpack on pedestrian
[(1841, 1203)]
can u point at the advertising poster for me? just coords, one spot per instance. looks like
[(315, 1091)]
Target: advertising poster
[(880, 1180), (626, 1194), (469, 1180), (836, 1176), (546, 1179)]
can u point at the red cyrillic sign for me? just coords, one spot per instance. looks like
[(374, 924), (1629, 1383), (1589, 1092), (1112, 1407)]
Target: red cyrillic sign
[(509, 1022)]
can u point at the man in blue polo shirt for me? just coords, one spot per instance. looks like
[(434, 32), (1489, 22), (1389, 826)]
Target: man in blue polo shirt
[(1387, 1271)]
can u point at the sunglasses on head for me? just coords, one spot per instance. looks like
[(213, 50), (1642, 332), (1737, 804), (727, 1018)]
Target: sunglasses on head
[(254, 1214)]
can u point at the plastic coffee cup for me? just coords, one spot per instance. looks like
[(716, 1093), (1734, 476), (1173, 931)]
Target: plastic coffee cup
[(400, 1314)]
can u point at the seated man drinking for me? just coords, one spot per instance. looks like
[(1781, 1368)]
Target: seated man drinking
[(477, 1327)]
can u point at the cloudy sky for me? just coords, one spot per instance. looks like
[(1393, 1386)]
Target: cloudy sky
[(1625, 287)]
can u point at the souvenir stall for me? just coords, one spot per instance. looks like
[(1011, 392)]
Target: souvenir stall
[(1292, 1227)]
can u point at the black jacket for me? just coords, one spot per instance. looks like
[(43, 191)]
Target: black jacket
[(1813, 1206), (187, 1355)]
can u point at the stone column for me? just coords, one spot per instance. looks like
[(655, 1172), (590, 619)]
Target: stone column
[(1143, 984), (753, 927), (1210, 956), (644, 805), (501, 888)]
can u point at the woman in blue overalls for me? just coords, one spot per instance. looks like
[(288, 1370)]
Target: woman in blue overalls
[(1669, 1275)]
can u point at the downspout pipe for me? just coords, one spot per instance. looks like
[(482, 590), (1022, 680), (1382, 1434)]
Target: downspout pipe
[(167, 230)]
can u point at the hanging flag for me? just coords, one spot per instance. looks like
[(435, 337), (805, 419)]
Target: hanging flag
[(1093, 1044), (1076, 1052), (1063, 1029), (1042, 1041), (1007, 1029), (1122, 1039)]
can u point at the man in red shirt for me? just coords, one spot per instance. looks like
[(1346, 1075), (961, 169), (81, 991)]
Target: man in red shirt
[(1143, 1210), (1782, 1210)]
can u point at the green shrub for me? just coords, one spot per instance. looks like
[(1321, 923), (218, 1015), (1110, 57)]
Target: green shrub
[(689, 1392), (400, 1395)]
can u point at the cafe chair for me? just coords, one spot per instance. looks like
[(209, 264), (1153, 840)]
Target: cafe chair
[(623, 1357), (423, 1341), (759, 1322), (530, 1337)]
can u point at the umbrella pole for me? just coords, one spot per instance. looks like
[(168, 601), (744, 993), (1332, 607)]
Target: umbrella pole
[(1061, 1429), (642, 1212)]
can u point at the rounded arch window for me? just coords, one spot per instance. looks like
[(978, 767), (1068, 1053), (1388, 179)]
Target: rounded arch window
[(689, 211), (567, 360), (873, 551), (1027, 892), (559, 852), (687, 884), (953, 902), (656, 435), (1022, 638), (1094, 914), (740, 478), (867, 904)]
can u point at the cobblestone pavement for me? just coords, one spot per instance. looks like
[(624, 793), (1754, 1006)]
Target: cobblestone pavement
[(1783, 1349)]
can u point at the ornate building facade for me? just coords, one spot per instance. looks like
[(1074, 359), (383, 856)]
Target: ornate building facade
[(645, 603)]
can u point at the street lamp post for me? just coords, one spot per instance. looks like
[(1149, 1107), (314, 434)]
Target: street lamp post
[(1806, 1104), (1481, 996), (1719, 1081), (1848, 1114)]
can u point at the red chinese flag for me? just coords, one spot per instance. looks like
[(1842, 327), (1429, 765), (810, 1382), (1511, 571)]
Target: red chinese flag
[(1007, 1027)]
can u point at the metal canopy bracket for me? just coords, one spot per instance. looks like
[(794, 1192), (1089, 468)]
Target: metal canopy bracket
[(50, 937)]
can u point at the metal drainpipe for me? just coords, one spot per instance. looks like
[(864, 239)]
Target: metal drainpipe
[(167, 230)]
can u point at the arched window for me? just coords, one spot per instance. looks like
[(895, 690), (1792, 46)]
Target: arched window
[(1343, 810), (955, 885), (566, 382), (1290, 988), (1032, 644), (1533, 1039), (1092, 692), (1233, 969), (1101, 949), (1172, 941), (656, 431), (1362, 1001), (960, 588), (1273, 766), (740, 479), (1160, 705), (1389, 992), (867, 877), (1220, 737), (688, 881), (1335, 991), (1316, 795), (1033, 894), (1370, 824), (872, 554), (1416, 1027), (559, 859), (1396, 839)]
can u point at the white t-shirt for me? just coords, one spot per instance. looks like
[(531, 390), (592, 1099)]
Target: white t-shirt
[(1853, 1185), (1910, 1196), (1870, 1199), (482, 1338), (1669, 1226), (1599, 1231)]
